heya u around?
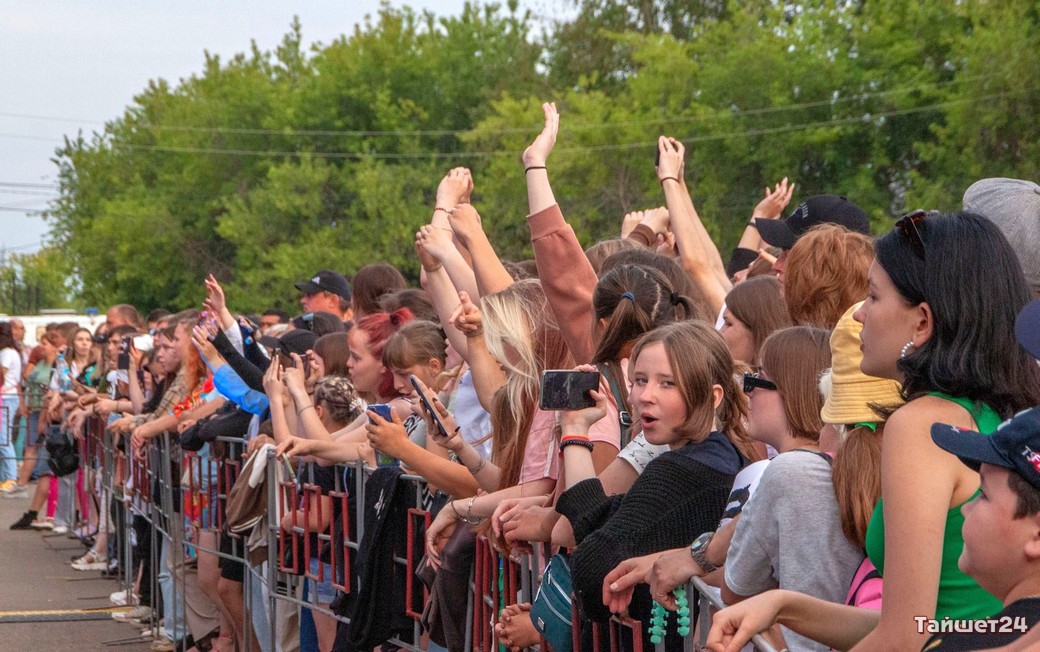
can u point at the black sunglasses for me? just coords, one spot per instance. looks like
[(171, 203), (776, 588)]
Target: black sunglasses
[(753, 382), (907, 225)]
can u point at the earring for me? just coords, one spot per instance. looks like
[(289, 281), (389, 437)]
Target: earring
[(906, 349)]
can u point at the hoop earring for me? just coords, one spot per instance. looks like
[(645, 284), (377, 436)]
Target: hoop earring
[(906, 349)]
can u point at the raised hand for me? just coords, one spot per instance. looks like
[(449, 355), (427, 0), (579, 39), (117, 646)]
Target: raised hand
[(294, 378), (215, 302), (467, 318), (465, 222), (671, 154), (580, 421), (274, 387), (435, 242), (201, 338), (657, 219), (537, 153), (775, 201), (630, 222), (455, 188)]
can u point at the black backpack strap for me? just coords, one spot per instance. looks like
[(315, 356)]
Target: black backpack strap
[(624, 418)]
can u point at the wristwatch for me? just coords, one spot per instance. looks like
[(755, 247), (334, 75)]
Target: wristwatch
[(699, 551)]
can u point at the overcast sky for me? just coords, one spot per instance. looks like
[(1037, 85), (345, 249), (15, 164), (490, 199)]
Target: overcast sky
[(67, 65)]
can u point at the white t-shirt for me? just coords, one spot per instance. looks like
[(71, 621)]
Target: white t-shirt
[(11, 361)]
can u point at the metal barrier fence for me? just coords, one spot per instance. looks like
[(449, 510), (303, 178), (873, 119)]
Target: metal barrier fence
[(180, 494)]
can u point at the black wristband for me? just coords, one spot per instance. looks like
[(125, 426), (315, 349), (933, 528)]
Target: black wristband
[(584, 443), (533, 167)]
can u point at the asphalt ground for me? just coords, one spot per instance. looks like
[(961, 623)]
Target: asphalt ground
[(46, 605)]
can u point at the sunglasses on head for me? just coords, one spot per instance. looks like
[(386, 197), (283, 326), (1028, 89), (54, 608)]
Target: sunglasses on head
[(907, 225), (753, 382)]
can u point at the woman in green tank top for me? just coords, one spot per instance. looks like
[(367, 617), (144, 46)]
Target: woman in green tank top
[(944, 291), (944, 328)]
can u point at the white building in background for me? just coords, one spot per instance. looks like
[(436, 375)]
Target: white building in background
[(34, 324)]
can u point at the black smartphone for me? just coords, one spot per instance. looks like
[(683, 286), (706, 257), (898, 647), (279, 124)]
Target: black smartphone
[(428, 406), (657, 156), (564, 389), (383, 410), (123, 361)]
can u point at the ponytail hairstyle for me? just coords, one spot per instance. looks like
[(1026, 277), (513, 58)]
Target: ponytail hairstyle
[(700, 359), (856, 476), (417, 342), (634, 300), (379, 326), (521, 333), (794, 358)]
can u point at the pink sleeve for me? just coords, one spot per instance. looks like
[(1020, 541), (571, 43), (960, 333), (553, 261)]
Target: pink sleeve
[(567, 278), (540, 458)]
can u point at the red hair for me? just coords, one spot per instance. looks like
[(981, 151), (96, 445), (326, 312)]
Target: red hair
[(379, 326)]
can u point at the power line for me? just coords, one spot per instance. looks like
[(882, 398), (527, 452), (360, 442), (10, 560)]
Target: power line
[(20, 184), (27, 192), (867, 117), (27, 211), (288, 132)]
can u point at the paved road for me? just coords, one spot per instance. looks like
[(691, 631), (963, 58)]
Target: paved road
[(35, 576)]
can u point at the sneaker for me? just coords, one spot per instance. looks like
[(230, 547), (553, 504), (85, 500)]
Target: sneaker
[(123, 598), (135, 615), (7, 484), (42, 524), (25, 522), (60, 529), (163, 644), (91, 561), (15, 491)]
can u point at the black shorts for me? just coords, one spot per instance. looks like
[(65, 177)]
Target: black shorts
[(232, 569)]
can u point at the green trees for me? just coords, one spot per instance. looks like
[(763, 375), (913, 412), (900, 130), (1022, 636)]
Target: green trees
[(268, 166)]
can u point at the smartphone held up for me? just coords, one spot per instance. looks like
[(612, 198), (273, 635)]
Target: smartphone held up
[(383, 410), (565, 389)]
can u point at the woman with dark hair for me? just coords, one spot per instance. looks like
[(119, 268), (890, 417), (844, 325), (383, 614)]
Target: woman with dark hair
[(946, 330), (369, 285)]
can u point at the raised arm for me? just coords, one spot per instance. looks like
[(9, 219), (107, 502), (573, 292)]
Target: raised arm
[(488, 376), (770, 208), (454, 189), (491, 274), (700, 257), (566, 274), (433, 245)]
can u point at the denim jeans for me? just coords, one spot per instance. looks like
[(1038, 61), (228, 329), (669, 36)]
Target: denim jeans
[(8, 419)]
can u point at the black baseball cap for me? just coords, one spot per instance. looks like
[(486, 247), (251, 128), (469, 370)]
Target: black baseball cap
[(326, 280), (297, 341), (821, 209), (1014, 445)]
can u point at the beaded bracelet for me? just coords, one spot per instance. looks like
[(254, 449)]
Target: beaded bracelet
[(659, 617), (576, 441)]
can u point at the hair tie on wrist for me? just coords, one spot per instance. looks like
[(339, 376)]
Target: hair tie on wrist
[(533, 167), (675, 179), (628, 295)]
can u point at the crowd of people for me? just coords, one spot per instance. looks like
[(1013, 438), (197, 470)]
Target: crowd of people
[(837, 433)]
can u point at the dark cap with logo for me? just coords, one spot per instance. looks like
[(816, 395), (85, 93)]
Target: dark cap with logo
[(326, 280), (821, 209), (1014, 445)]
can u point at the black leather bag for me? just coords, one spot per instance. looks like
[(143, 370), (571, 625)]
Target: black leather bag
[(63, 451)]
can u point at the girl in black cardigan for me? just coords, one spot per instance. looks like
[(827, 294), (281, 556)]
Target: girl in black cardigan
[(683, 384)]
